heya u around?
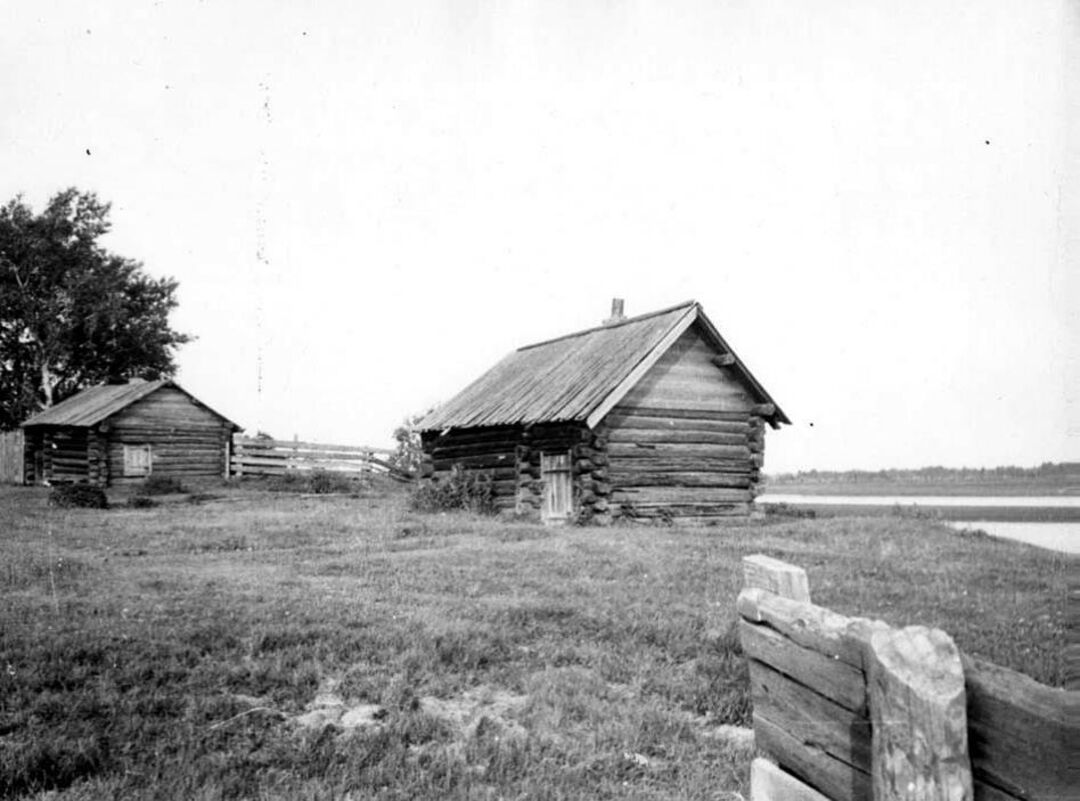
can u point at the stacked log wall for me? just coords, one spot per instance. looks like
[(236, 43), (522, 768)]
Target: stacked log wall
[(687, 443), (489, 452), (186, 439), (511, 457), (32, 455), (64, 456)]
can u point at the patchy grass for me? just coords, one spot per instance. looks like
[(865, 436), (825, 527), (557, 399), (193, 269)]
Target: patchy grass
[(164, 652)]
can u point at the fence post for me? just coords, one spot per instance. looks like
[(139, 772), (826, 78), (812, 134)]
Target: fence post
[(768, 782), (919, 718), (779, 578)]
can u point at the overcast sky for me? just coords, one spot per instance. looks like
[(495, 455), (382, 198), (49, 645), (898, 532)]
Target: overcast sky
[(370, 203)]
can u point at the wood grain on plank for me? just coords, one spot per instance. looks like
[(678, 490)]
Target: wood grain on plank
[(1024, 736), (769, 782), (840, 682), (778, 577), (837, 780)]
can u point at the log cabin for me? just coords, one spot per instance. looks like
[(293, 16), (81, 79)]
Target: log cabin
[(122, 433), (651, 417)]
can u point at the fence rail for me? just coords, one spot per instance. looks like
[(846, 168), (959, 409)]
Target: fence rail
[(849, 709), (12, 465), (253, 456)]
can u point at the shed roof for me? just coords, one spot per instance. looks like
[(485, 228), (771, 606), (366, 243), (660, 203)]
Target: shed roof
[(94, 404), (579, 376)]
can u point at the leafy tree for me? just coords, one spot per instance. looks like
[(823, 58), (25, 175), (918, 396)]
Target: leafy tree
[(409, 453), (72, 314)]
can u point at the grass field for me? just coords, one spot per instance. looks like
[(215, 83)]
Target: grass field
[(171, 652)]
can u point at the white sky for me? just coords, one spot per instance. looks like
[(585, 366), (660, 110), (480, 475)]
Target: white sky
[(876, 202)]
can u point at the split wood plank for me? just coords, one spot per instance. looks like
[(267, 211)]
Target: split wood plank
[(838, 681), (769, 782), (835, 779), (1023, 735), (818, 724), (808, 625)]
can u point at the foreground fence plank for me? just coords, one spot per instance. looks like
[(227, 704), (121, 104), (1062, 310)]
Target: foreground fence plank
[(836, 779), (937, 724), (826, 675), (817, 722), (813, 627), (769, 783), (1024, 736)]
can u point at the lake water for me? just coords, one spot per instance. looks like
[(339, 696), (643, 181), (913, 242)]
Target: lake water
[(1053, 535), (1056, 536), (1053, 501)]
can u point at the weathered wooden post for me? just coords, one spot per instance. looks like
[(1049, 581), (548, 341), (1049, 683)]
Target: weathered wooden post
[(858, 709), (919, 718), (767, 781), (779, 578)]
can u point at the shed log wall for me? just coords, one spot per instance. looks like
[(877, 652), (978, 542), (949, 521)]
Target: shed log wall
[(64, 454), (511, 457), (485, 451), (687, 443), (185, 438)]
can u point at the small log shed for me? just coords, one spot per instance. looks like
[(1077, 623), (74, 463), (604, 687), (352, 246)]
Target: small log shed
[(651, 417), (122, 433)]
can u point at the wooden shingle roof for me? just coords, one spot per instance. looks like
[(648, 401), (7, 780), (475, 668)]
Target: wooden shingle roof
[(580, 376), (95, 404)]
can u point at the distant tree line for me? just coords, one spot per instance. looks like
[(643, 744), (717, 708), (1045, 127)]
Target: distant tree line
[(1047, 471)]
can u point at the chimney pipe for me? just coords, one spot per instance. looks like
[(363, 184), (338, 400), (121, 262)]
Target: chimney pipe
[(616, 312)]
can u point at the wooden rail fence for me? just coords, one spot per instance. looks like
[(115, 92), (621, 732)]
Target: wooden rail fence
[(12, 464), (848, 708), (254, 456)]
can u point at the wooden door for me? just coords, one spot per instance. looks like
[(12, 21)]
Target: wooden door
[(558, 487)]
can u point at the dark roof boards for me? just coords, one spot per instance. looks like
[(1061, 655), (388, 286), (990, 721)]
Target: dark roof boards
[(580, 376)]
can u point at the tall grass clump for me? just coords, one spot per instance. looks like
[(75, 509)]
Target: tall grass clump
[(78, 496), (161, 485), (317, 481), (460, 490)]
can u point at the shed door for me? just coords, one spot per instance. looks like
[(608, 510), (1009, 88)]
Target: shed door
[(558, 487), (137, 460)]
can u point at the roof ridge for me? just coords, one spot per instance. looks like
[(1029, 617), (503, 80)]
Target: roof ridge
[(603, 327)]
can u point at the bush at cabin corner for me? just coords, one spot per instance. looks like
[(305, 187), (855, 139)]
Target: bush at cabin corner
[(78, 496), (161, 485), (460, 490)]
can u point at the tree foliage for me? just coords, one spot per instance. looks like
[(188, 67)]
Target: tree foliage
[(72, 314), (409, 453)]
